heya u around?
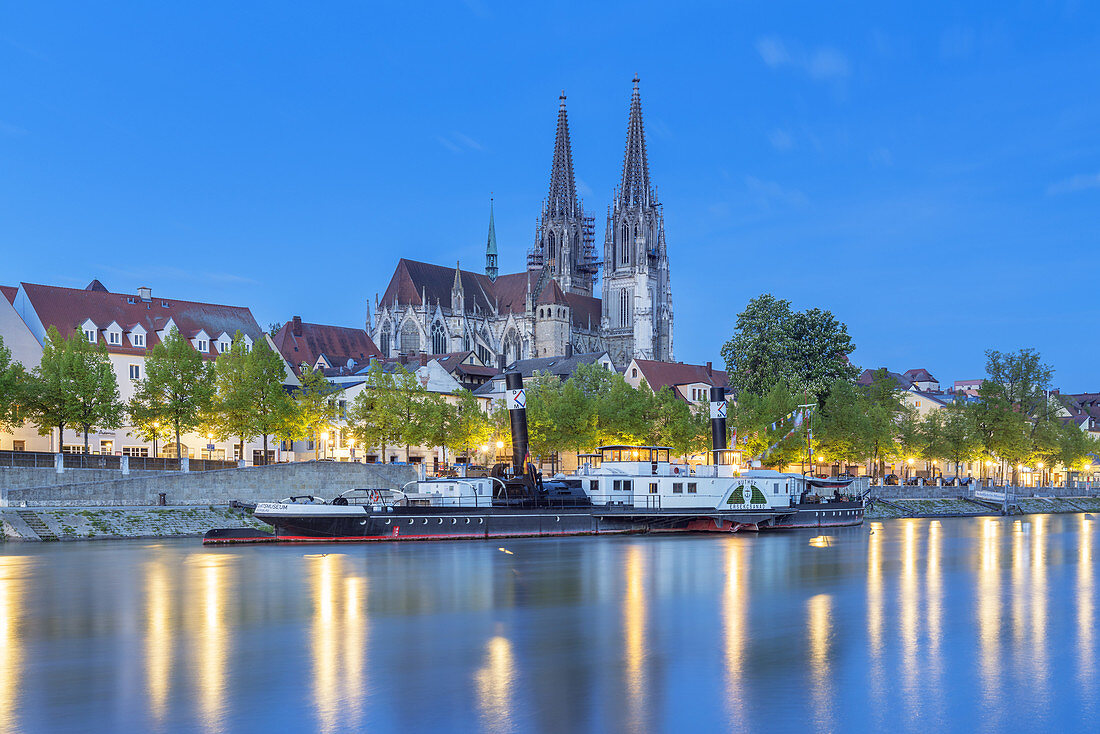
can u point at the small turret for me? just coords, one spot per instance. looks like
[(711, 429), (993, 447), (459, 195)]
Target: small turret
[(491, 268)]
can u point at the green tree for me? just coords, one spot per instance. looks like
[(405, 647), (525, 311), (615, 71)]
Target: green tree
[(753, 416), (48, 397), (232, 408), (439, 422), (471, 423), (95, 398), (177, 388), (845, 431), (13, 379), (544, 435), (911, 437), (807, 351), (313, 409), (885, 405), (272, 407), (405, 403), (673, 423), (1075, 448), (957, 438)]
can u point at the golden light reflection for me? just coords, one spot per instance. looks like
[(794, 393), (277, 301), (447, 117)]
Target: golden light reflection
[(908, 603), (1085, 606), (933, 656), (1020, 534), (821, 541), (874, 603), (495, 682), (339, 635), (158, 637), (214, 572), (819, 620), (989, 611), (735, 609), (13, 574), (1040, 670), (634, 627)]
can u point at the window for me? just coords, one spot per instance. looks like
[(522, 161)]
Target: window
[(107, 447), (135, 372), (135, 451), (627, 485), (18, 445), (114, 337), (776, 488), (89, 334), (138, 340), (653, 487), (203, 346), (625, 249), (343, 414), (617, 485), (693, 487), (634, 372), (593, 485), (677, 487), (223, 346), (410, 338), (439, 339), (384, 340)]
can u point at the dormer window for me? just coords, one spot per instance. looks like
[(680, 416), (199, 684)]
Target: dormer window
[(138, 340), (223, 346), (90, 335), (114, 338), (202, 345)]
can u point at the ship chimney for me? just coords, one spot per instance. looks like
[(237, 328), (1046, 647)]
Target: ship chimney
[(517, 412), (717, 420)]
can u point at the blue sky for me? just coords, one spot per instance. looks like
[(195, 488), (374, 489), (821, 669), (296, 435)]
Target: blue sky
[(932, 176)]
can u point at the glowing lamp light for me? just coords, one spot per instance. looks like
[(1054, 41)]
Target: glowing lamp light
[(324, 435), (484, 447), (635, 453), (500, 444), (910, 461), (1040, 465)]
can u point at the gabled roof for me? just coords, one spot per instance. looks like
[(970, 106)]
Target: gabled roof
[(920, 375), (9, 292), (868, 376), (67, 308), (301, 342), (414, 281), (671, 374)]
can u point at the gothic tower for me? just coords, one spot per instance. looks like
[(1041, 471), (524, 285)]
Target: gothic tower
[(637, 296), (491, 268), (564, 242)]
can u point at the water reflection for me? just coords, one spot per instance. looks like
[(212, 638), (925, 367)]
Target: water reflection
[(735, 607), (909, 605), (1085, 606), (213, 580), (934, 617), (1038, 680), (819, 622), (495, 682), (874, 620), (159, 638), (989, 612), (634, 630), (340, 633), (13, 574)]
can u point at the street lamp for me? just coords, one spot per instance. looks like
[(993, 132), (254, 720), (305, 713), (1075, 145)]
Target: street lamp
[(156, 430), (324, 442), (209, 446), (351, 446), (1040, 467)]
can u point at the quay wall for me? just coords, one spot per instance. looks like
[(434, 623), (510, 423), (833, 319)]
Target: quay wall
[(248, 484)]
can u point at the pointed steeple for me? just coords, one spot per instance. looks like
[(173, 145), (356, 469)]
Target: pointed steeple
[(491, 247), (563, 188), (634, 190), (457, 285)]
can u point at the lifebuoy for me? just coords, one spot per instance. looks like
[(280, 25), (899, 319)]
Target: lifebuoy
[(675, 470)]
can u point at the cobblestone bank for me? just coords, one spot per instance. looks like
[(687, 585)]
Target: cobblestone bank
[(962, 508), (113, 523)]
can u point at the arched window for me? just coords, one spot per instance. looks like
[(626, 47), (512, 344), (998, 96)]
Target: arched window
[(625, 249), (551, 250), (439, 339), (484, 355), (467, 343), (384, 339), (410, 338), (624, 308)]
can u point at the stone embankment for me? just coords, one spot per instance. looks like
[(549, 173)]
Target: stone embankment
[(883, 508), (87, 504)]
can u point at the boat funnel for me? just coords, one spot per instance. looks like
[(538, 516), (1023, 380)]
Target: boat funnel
[(517, 413), (717, 420)]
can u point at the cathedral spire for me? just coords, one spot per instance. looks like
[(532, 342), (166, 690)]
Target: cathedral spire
[(491, 247), (634, 189), (563, 188)]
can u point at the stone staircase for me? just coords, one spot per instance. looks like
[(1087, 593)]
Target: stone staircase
[(35, 523)]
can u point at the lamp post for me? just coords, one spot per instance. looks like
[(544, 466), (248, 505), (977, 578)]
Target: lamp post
[(209, 446), (351, 447), (156, 430), (324, 443), (1041, 474)]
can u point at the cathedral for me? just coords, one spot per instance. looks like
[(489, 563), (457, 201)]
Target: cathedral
[(551, 308)]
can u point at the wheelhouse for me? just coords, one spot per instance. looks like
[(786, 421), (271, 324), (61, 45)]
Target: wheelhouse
[(640, 454)]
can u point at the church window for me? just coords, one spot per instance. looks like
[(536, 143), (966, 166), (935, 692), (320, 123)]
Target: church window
[(624, 308), (439, 339), (551, 251), (467, 344), (625, 249), (540, 313), (484, 355), (384, 340), (410, 338)]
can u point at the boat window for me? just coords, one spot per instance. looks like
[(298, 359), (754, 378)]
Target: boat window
[(616, 455), (776, 490), (662, 455), (627, 485), (653, 487), (593, 485), (693, 487), (677, 487), (618, 485)]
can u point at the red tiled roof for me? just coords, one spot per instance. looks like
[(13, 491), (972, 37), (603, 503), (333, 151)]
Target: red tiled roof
[(413, 281), (337, 343), (68, 308), (661, 374), (920, 375), (9, 292)]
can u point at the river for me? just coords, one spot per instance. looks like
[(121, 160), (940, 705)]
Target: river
[(968, 624)]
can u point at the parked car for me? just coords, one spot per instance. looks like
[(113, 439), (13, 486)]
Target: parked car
[(949, 481), (912, 482), (891, 480)]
